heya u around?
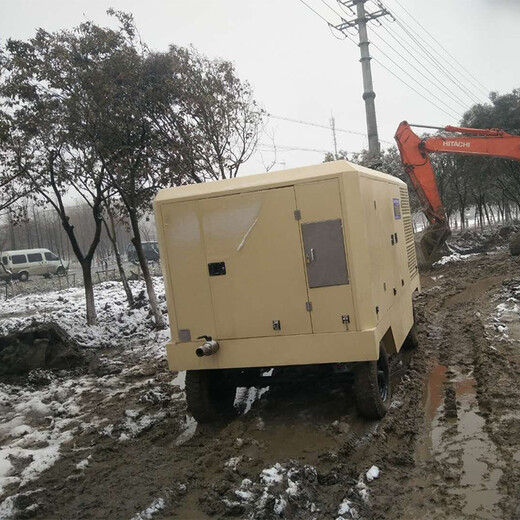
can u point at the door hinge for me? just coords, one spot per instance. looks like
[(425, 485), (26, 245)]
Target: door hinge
[(297, 214), (308, 306)]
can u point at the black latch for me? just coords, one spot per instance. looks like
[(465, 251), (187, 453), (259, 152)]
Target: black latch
[(277, 325), (217, 269)]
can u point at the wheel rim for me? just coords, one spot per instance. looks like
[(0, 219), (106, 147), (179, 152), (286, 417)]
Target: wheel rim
[(382, 381)]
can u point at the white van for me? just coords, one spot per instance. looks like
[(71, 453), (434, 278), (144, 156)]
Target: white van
[(25, 262)]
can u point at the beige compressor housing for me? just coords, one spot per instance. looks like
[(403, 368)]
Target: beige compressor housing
[(309, 266)]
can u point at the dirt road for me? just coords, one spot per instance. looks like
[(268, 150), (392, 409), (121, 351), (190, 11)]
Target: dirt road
[(448, 448)]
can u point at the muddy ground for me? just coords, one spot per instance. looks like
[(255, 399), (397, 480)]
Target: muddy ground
[(448, 448)]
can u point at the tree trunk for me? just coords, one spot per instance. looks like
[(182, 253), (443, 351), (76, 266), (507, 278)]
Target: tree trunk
[(11, 229), (112, 236), (86, 267), (136, 240), (85, 260), (487, 214)]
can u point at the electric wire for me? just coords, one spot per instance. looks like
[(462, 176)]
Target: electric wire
[(318, 125), (417, 39), (433, 60), (310, 123), (409, 86), (483, 88), (441, 86), (333, 10), (269, 148), (437, 64), (315, 12), (454, 111)]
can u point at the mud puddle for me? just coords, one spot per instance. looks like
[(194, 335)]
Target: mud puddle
[(455, 438)]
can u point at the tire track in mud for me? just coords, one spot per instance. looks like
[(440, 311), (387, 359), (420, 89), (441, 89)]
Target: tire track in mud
[(459, 468)]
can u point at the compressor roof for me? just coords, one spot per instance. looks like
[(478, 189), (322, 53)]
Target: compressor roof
[(271, 180)]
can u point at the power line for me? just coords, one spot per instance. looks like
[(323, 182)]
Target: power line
[(412, 88), (416, 81), (333, 10), (309, 123), (282, 148), (421, 44), (315, 12), (318, 125), (451, 115), (452, 95), (483, 87), (437, 64)]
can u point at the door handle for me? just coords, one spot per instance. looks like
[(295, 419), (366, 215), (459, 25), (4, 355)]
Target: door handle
[(311, 256)]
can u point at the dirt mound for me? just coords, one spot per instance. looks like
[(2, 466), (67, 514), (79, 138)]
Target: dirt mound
[(38, 346), (473, 241)]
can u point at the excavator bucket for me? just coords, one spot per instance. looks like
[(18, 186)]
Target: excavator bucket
[(430, 244)]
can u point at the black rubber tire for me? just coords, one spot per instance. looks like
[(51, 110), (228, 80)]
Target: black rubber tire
[(210, 397), (412, 339), (372, 386), (23, 276), (61, 271), (514, 244)]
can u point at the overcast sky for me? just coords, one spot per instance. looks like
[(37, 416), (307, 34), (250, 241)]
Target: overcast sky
[(298, 70)]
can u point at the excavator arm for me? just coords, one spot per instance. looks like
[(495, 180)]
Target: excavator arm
[(415, 158)]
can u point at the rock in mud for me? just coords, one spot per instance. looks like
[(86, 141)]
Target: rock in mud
[(39, 346)]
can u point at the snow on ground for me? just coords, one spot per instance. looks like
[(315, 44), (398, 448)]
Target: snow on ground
[(346, 508), (38, 419), (372, 473), (291, 486), (34, 424), (507, 312), (147, 514), (117, 324), (454, 257)]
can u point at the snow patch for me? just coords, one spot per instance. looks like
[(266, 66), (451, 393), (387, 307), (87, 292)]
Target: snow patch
[(233, 462), (81, 465), (454, 257), (116, 322), (279, 505), (272, 476), (372, 473), (147, 514), (346, 508)]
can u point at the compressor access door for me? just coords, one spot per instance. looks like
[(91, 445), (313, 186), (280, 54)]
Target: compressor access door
[(323, 237), (255, 268)]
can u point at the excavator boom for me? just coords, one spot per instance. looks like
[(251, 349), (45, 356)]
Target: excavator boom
[(415, 158)]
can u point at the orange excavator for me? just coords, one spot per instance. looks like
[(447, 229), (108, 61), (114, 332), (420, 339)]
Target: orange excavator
[(415, 158)]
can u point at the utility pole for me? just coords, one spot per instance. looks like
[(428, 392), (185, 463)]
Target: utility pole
[(333, 128), (360, 24)]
